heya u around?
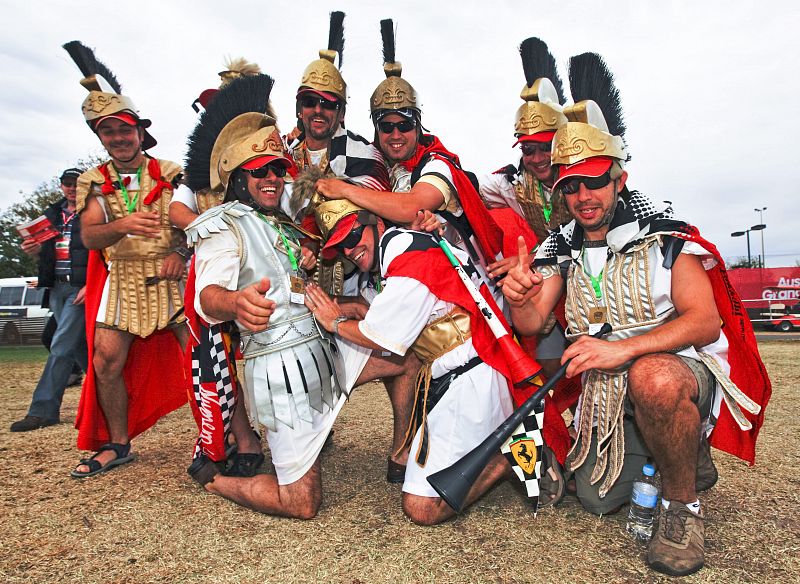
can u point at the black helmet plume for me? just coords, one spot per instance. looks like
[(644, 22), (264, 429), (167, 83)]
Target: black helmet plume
[(240, 96), (537, 62)]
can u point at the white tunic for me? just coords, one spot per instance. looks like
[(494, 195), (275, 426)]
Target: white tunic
[(477, 401)]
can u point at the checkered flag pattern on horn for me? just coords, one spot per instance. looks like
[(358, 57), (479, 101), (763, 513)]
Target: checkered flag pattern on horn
[(214, 385), (523, 450)]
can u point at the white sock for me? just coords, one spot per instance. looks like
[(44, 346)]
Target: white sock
[(693, 507)]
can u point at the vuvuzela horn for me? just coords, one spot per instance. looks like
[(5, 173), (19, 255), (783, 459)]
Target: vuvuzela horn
[(454, 482)]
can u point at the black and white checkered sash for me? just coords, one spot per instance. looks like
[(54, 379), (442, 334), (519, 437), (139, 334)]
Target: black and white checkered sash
[(351, 156), (635, 217)]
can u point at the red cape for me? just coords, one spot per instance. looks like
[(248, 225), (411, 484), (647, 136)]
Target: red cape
[(153, 373), (747, 369), (487, 233)]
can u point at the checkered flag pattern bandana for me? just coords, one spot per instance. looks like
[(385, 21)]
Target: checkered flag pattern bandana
[(523, 450)]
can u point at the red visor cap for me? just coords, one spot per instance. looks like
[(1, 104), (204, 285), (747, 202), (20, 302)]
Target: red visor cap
[(322, 94), (342, 230), (591, 167), (127, 118), (540, 137), (260, 161)]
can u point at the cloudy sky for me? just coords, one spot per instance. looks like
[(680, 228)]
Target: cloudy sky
[(710, 89)]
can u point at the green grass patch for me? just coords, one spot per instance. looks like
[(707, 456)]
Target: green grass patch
[(23, 354)]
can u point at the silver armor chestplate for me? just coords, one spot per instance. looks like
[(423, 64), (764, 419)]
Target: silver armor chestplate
[(292, 364)]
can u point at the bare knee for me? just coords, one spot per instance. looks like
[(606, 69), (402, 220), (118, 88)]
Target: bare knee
[(302, 499), (424, 510), (110, 354), (305, 510), (107, 367), (659, 382)]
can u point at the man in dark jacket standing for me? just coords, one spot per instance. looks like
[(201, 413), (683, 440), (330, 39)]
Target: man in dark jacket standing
[(62, 269)]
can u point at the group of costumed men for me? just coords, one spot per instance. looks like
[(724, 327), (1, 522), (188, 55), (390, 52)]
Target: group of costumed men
[(324, 260)]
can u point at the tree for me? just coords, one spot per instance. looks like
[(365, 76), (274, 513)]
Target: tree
[(13, 261), (739, 263)]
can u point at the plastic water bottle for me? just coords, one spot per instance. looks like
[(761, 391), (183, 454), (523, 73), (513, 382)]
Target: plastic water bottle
[(643, 505)]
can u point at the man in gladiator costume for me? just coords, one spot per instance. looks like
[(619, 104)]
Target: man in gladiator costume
[(134, 298), (665, 382)]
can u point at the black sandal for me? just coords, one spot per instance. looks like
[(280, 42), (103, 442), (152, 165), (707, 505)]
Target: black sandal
[(124, 456), (244, 464), (203, 470)]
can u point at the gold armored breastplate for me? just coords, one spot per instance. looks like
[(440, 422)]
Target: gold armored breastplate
[(207, 200), (530, 197), (137, 300)]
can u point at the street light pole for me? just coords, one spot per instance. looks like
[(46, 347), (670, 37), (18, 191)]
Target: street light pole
[(761, 222), (747, 233), (759, 227)]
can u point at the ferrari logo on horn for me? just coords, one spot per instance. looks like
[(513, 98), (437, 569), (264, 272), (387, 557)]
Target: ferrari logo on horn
[(524, 452)]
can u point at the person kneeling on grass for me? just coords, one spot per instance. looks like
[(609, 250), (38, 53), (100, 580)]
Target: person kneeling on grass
[(249, 269)]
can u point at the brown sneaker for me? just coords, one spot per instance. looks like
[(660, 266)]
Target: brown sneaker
[(677, 547), (706, 475)]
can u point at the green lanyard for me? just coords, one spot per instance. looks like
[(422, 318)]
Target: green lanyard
[(289, 252), (130, 205), (547, 206), (598, 291)]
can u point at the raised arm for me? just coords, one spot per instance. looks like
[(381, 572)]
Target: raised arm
[(396, 207), (530, 297)]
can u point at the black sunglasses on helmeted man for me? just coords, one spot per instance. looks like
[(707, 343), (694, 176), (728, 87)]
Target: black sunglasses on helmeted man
[(279, 170), (592, 183), (311, 101), (352, 238), (530, 148), (404, 126)]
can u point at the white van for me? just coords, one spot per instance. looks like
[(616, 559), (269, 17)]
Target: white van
[(22, 317)]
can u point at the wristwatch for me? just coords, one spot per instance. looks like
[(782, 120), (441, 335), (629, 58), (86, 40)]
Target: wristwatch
[(336, 321), (184, 252)]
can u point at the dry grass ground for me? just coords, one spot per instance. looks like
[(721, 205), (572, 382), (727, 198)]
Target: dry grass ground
[(148, 522)]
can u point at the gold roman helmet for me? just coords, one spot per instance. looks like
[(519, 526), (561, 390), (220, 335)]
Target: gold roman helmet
[(586, 135), (541, 111), (393, 93), (328, 213), (105, 93), (322, 75), (248, 137), (336, 219), (543, 94), (592, 141)]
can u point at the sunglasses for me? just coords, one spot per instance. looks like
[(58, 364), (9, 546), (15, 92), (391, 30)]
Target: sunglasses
[(592, 183), (311, 101), (69, 183), (279, 170), (388, 127), (529, 148), (352, 238)]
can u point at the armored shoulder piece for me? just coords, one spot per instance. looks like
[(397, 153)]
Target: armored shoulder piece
[(215, 220)]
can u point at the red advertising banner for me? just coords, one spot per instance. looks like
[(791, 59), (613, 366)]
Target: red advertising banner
[(768, 293)]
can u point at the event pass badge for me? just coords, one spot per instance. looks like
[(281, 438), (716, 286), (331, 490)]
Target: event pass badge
[(598, 316), (297, 290)]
